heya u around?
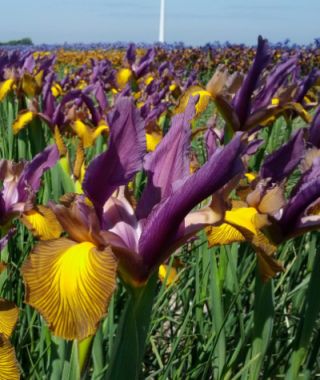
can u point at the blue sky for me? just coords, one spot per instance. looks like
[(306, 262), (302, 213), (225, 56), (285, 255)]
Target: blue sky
[(190, 21)]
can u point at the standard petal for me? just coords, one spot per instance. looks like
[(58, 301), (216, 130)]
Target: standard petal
[(281, 163), (8, 363), (70, 284), (242, 100), (34, 169), (42, 223), (122, 160), (169, 163), (164, 226)]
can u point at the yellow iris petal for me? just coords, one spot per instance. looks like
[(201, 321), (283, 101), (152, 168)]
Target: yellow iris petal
[(8, 362), (152, 140), (250, 177), (8, 317), (85, 133), (56, 90), (22, 120), (224, 234), (204, 98), (43, 223), (275, 101), (5, 87), (149, 79), (243, 217), (123, 76), (70, 284), (29, 85), (168, 272)]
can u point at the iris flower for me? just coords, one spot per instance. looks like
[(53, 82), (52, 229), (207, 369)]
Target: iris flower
[(21, 181), (263, 217), (70, 280)]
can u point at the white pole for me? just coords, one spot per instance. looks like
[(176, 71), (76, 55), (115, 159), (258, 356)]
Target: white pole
[(161, 26)]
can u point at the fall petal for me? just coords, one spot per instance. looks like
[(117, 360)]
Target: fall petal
[(42, 223), (9, 369), (70, 284)]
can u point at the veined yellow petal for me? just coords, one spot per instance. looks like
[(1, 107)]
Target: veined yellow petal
[(59, 141), (8, 317), (152, 140), (43, 223), (70, 284), (5, 87), (224, 234), (8, 362), (84, 132), (22, 120), (123, 76), (168, 272)]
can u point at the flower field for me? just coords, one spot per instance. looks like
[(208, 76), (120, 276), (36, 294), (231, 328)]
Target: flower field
[(159, 212)]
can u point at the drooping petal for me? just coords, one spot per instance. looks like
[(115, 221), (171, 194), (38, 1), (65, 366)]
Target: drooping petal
[(8, 317), (8, 363), (281, 163), (223, 234), (5, 87), (161, 229), (43, 223), (23, 119), (169, 163), (122, 160), (70, 284)]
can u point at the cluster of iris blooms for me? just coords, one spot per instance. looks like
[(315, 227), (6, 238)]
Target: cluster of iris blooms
[(103, 228)]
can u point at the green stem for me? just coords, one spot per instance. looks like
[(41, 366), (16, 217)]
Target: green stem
[(129, 346)]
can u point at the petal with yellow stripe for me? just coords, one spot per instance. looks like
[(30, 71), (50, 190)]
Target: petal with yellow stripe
[(23, 119), (42, 223), (5, 87), (8, 362), (169, 273), (70, 284)]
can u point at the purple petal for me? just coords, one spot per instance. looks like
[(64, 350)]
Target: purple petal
[(314, 130), (131, 54), (119, 218), (169, 162), (124, 157), (161, 229), (273, 82), (242, 99), (282, 162), (297, 206), (34, 169), (5, 239)]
